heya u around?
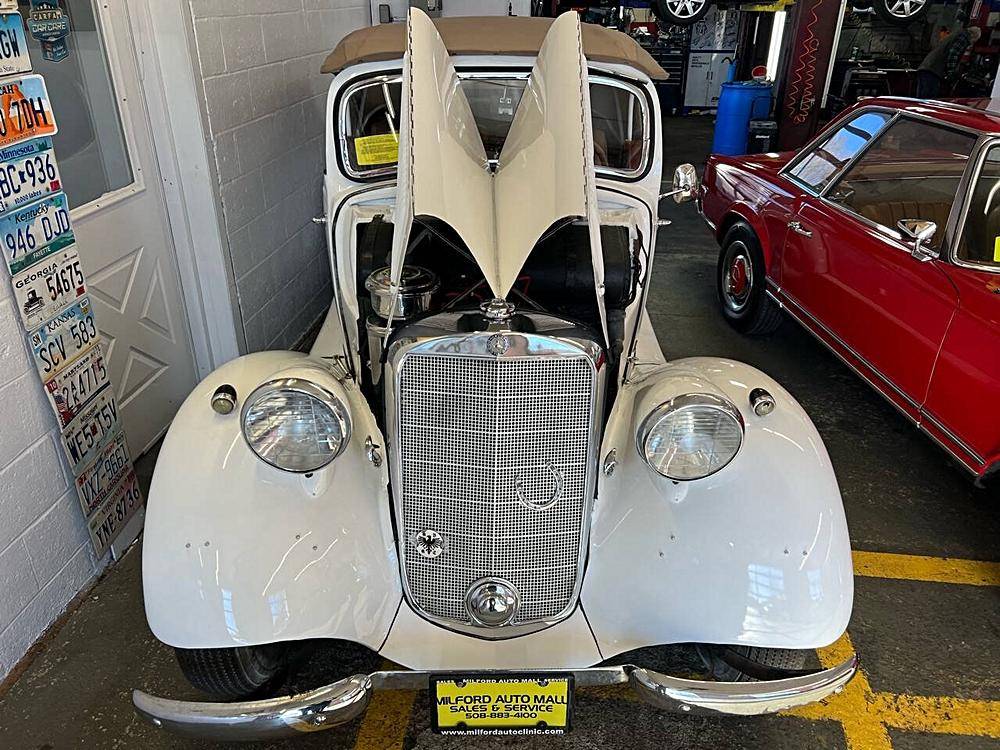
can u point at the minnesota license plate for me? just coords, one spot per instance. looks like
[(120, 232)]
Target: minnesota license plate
[(13, 45), (95, 483), (74, 387), (25, 110), (60, 340), (109, 520), (87, 435), (47, 287), (31, 233), (504, 704), (28, 171)]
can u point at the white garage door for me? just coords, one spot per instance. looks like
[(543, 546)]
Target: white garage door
[(110, 174)]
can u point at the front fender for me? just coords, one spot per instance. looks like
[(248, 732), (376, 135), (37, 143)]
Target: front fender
[(756, 554), (237, 552)]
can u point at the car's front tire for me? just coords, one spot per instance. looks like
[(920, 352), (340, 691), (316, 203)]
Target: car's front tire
[(233, 673), (748, 663), (741, 281)]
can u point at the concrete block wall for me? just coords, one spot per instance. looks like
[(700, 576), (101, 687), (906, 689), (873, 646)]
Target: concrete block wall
[(265, 105), (45, 551)]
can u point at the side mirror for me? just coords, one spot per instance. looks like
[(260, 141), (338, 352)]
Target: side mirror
[(920, 232), (686, 184)]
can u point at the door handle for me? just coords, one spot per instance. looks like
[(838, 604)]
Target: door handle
[(796, 226)]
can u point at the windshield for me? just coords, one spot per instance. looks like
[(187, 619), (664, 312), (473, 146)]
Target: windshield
[(369, 122)]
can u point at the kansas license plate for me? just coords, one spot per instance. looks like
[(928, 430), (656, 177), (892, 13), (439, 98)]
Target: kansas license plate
[(60, 340), (96, 483), (47, 287), (86, 436), (504, 704), (13, 45), (109, 519), (26, 111), (28, 172), (73, 388), (31, 233)]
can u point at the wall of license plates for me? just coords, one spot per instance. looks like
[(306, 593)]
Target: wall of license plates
[(50, 289)]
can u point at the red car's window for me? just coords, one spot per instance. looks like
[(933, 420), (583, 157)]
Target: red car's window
[(821, 165), (911, 172), (980, 242)]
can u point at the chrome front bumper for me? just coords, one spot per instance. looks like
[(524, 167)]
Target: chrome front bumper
[(347, 699)]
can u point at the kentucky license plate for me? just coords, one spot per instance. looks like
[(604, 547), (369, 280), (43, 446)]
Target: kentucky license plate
[(28, 171), (13, 45), (72, 389), (97, 482), (47, 287), (31, 233), (109, 520), (61, 339), (87, 435), (25, 110), (501, 705)]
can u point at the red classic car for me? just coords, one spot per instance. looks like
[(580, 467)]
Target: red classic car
[(882, 238)]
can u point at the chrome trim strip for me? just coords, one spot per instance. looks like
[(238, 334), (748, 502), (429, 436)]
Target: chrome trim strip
[(799, 312), (467, 345), (342, 701), (609, 172), (926, 415)]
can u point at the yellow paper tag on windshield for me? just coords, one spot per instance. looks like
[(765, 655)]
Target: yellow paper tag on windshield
[(376, 149), (996, 250)]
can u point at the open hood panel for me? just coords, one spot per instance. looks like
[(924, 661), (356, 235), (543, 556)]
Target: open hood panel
[(545, 172)]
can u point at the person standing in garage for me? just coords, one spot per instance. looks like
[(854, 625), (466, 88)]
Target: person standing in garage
[(940, 67)]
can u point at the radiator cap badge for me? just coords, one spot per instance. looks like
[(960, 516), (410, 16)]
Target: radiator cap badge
[(492, 602), (497, 344), (429, 543)]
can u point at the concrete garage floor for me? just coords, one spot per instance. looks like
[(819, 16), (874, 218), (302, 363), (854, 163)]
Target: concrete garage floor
[(927, 627)]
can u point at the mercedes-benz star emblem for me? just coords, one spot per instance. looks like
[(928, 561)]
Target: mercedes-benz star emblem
[(497, 344)]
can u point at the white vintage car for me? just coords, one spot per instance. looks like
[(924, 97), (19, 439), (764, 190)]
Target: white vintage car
[(485, 470)]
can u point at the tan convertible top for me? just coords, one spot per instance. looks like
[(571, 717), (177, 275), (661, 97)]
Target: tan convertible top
[(490, 35)]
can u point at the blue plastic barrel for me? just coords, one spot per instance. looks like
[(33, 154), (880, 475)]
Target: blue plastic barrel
[(739, 103)]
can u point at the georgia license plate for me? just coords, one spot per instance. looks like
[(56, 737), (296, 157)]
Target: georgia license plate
[(87, 435), (31, 233), (28, 171), (47, 287), (109, 520), (60, 340), (72, 389), (96, 483), (25, 110), (13, 45), (504, 704)]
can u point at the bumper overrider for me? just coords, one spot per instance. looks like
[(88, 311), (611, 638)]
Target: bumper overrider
[(347, 699)]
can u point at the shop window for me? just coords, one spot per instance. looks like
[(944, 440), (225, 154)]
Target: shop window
[(93, 153), (980, 242), (911, 172), (370, 123), (819, 167)]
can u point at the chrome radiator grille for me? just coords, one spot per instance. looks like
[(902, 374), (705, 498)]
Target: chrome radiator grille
[(485, 444)]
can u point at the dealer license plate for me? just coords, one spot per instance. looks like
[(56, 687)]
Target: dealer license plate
[(72, 389), (60, 340), (501, 704), (28, 171), (47, 287), (31, 233)]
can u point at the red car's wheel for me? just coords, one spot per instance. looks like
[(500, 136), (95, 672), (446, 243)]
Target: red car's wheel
[(742, 283)]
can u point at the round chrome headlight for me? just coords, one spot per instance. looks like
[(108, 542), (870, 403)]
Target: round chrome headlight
[(295, 425), (691, 436)]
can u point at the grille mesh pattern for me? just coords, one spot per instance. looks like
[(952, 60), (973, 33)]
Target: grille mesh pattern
[(473, 430)]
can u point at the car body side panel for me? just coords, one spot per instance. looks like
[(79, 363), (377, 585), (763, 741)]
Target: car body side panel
[(756, 554), (237, 552)]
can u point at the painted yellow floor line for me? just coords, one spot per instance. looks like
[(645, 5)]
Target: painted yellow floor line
[(387, 718), (918, 568)]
